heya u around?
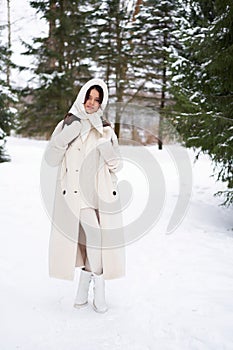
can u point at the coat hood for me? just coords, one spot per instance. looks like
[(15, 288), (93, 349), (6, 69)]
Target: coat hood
[(78, 105), (87, 119)]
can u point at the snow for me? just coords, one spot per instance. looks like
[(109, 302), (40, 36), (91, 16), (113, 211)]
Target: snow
[(177, 293), (177, 77)]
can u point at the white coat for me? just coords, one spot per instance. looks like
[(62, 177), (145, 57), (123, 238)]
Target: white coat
[(81, 166)]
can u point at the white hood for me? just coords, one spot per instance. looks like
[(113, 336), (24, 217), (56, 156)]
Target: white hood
[(87, 119)]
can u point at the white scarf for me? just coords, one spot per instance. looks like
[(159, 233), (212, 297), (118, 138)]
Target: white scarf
[(93, 119)]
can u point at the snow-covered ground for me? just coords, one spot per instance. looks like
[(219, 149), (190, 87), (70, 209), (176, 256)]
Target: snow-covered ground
[(178, 290)]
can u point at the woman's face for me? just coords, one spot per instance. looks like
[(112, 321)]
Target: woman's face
[(92, 104)]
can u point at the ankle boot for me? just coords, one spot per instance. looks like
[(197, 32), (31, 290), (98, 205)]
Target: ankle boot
[(99, 303), (81, 298)]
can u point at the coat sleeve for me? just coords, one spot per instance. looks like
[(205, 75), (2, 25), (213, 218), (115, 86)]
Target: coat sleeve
[(109, 150), (59, 142)]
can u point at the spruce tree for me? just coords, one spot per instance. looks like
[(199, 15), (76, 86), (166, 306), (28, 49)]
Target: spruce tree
[(203, 87), (5, 117), (156, 37), (63, 64), (6, 98), (132, 48), (112, 51)]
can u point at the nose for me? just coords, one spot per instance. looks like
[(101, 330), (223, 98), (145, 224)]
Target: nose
[(92, 101)]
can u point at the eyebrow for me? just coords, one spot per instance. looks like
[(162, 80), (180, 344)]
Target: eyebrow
[(96, 98)]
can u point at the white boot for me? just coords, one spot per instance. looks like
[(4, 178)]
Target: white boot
[(81, 298), (99, 303)]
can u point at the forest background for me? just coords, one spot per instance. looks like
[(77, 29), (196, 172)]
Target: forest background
[(168, 66)]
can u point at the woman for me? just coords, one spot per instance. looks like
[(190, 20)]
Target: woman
[(86, 226)]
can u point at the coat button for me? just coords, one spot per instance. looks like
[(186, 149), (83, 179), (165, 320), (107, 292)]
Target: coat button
[(64, 192), (76, 170), (114, 193), (75, 191)]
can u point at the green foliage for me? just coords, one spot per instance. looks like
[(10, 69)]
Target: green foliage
[(173, 48), (111, 47), (6, 98), (203, 87), (155, 37), (5, 118), (62, 65)]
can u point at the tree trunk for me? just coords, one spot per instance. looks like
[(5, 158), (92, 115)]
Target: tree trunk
[(163, 96), (119, 90), (162, 104), (137, 9), (51, 38), (8, 44), (60, 44)]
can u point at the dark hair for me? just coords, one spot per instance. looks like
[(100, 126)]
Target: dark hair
[(100, 91)]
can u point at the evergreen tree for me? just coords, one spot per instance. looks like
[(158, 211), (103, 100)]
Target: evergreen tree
[(62, 64), (156, 36), (112, 50), (203, 87), (132, 48), (5, 117), (6, 97)]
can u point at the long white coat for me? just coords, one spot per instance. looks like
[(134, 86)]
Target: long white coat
[(75, 163)]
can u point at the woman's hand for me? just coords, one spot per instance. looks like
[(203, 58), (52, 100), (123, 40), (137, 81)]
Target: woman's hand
[(67, 135), (108, 133), (107, 150)]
